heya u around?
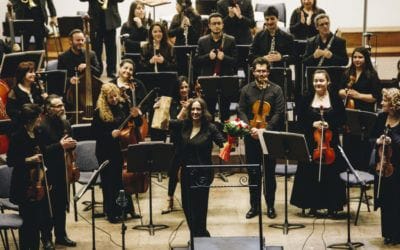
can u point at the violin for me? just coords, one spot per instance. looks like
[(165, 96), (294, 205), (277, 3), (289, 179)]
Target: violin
[(323, 153), (72, 170), (348, 101), (260, 110), (384, 168)]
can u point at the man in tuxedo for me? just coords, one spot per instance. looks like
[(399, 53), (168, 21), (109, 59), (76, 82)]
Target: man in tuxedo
[(216, 55), (35, 10), (105, 19)]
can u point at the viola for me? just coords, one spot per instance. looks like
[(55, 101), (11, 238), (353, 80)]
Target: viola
[(260, 110), (323, 153), (348, 101), (36, 189), (72, 170)]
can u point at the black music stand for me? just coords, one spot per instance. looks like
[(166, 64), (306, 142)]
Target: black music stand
[(283, 78), (287, 146), (360, 122), (82, 191), (150, 157), (167, 82), (350, 169), (184, 55), (20, 25), (10, 62), (67, 23), (55, 81), (335, 73), (242, 60)]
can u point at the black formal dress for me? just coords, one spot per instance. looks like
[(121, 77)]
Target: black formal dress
[(108, 148), (168, 52), (136, 35), (49, 134), (355, 146), (249, 94), (389, 195), (39, 16), (103, 30), (300, 30), (35, 213), (330, 192), (195, 151)]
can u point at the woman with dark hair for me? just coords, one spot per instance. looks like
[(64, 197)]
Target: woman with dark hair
[(27, 90), (389, 193), (302, 20), (360, 89), (111, 111), (157, 54), (28, 191), (136, 27), (309, 191), (195, 137)]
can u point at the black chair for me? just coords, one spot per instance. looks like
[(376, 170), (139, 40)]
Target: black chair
[(281, 7), (82, 132), (365, 177)]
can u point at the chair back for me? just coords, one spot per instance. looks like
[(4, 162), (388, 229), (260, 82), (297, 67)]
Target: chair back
[(5, 181), (281, 7), (85, 156)]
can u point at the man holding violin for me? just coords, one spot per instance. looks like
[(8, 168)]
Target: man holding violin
[(54, 139), (262, 99)]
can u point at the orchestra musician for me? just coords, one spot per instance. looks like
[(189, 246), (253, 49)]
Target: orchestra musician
[(136, 27), (270, 94), (105, 20), (360, 89), (157, 54), (54, 138), (302, 24), (309, 191), (389, 198), (73, 60), (27, 90), (195, 137), (325, 45), (27, 184), (36, 10), (216, 55), (272, 43), (111, 111)]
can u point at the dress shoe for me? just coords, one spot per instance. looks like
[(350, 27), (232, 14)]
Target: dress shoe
[(271, 213), (252, 213), (48, 245), (135, 215), (65, 241), (170, 206), (387, 241), (114, 219)]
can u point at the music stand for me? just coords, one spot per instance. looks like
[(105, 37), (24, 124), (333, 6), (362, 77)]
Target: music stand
[(55, 81), (360, 122), (67, 23), (150, 157), (242, 60), (10, 62), (82, 191), (20, 25), (184, 57), (167, 82), (350, 169), (287, 146), (283, 78), (154, 4)]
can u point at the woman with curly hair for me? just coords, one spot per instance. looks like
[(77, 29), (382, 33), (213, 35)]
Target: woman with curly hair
[(389, 188), (111, 111)]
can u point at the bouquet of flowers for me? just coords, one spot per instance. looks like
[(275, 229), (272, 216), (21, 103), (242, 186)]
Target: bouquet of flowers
[(233, 129)]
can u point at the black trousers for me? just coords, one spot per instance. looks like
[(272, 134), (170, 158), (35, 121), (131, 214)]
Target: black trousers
[(195, 201), (254, 155), (107, 37), (223, 109), (37, 29), (35, 216)]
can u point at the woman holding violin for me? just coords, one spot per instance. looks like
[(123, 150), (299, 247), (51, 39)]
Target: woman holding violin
[(360, 89), (387, 163), (27, 90), (28, 182), (111, 111), (318, 185)]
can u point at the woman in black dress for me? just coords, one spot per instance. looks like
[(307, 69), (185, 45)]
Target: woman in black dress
[(389, 193), (194, 146), (302, 20), (136, 27), (308, 191), (360, 90), (111, 111)]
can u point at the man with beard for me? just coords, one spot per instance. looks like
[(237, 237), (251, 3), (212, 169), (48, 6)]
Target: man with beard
[(73, 60), (216, 55), (54, 138), (267, 92)]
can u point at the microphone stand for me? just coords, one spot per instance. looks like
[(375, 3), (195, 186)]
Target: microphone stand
[(122, 202)]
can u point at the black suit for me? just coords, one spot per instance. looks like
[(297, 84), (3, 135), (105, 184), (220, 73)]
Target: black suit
[(39, 16), (103, 29), (206, 66), (49, 135)]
